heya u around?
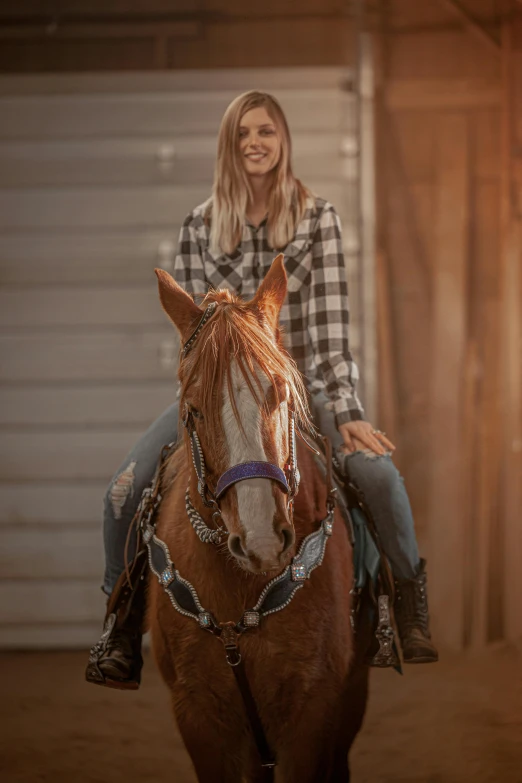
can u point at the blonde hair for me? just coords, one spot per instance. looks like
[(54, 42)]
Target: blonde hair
[(231, 190)]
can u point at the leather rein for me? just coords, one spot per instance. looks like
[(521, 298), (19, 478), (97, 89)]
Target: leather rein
[(278, 593)]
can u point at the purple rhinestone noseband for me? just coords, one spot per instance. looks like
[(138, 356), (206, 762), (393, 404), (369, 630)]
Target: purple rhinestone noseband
[(247, 470)]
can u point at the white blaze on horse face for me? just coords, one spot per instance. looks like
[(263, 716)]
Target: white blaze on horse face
[(255, 497)]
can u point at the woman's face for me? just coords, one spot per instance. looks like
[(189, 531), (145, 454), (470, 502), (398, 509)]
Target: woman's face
[(259, 142)]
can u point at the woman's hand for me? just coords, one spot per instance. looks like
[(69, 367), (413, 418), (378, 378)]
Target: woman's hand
[(361, 434)]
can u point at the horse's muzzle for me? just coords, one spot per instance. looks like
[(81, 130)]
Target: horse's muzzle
[(264, 553)]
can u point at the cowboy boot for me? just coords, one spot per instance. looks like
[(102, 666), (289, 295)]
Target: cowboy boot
[(411, 616), (115, 660)]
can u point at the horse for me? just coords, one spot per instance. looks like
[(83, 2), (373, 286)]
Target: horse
[(240, 395)]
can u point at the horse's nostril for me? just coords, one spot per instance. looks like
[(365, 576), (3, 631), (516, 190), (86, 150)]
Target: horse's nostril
[(236, 547), (288, 538)]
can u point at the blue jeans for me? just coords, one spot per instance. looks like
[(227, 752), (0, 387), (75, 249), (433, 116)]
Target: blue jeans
[(377, 477)]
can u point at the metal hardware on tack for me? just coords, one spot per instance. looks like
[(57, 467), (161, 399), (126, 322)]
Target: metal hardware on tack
[(251, 619), (206, 534), (204, 318), (230, 638), (385, 655)]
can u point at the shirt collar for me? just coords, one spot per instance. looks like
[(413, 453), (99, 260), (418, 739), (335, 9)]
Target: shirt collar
[(251, 225)]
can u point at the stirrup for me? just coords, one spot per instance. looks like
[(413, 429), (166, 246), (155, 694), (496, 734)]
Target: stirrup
[(386, 655)]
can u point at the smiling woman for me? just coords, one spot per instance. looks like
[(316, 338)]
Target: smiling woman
[(254, 175), (259, 142)]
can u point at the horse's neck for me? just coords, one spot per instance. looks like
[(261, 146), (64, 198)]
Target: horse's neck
[(310, 502)]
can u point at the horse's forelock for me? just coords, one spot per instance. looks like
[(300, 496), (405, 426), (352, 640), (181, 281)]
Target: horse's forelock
[(238, 332)]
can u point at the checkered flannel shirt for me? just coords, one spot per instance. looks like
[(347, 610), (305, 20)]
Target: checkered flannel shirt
[(314, 317)]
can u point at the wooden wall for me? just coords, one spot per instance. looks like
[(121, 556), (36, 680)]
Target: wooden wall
[(449, 253), (511, 326), (101, 35)]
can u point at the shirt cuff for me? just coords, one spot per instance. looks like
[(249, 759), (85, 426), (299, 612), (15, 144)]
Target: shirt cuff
[(353, 414)]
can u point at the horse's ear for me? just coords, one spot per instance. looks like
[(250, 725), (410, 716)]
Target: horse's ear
[(272, 291), (179, 306)]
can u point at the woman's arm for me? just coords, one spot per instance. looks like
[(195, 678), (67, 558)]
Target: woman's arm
[(189, 271), (328, 326), (328, 319)]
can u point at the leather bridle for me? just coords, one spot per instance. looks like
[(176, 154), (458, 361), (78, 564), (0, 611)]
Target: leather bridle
[(287, 479)]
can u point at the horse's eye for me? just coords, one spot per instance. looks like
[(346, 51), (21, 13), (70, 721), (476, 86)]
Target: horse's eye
[(192, 411), (274, 398)]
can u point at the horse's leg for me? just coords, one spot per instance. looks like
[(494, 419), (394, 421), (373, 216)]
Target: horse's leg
[(211, 763), (215, 757), (354, 707), (318, 755), (340, 767)]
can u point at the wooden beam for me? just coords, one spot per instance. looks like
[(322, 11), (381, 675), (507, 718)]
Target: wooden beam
[(512, 454), (430, 94), (473, 25), (511, 270), (387, 396), (93, 30), (446, 510)]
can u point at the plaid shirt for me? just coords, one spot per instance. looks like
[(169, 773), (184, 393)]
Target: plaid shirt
[(314, 317)]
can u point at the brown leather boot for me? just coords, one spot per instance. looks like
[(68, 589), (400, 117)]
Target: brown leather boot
[(115, 660), (411, 615)]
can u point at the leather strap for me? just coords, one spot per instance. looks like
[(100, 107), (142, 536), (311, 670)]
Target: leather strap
[(268, 761), (328, 453), (209, 311), (127, 585)]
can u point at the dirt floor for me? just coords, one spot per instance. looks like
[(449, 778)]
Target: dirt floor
[(459, 720)]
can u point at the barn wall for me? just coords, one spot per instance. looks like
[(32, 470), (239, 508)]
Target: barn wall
[(445, 171), (101, 35), (449, 141)]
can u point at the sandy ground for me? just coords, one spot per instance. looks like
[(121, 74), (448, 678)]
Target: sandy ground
[(459, 720)]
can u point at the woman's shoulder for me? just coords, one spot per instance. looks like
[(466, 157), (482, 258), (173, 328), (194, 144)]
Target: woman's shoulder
[(198, 218), (316, 207)]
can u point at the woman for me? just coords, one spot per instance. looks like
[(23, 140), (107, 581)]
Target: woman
[(259, 207)]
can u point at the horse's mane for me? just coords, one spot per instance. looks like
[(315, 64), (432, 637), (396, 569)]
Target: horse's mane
[(237, 331)]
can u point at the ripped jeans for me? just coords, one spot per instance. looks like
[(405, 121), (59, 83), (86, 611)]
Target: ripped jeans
[(376, 476)]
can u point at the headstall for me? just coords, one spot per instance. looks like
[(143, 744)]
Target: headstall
[(277, 594), (288, 479)]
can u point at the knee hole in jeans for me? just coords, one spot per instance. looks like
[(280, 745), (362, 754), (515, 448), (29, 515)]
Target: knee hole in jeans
[(122, 488)]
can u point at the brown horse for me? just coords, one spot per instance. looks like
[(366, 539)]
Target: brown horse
[(239, 392)]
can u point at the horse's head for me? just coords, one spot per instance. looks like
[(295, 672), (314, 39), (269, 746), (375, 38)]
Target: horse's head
[(240, 386)]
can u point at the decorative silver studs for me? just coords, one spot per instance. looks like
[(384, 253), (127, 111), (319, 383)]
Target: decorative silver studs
[(251, 619), (205, 620), (167, 576), (147, 535), (328, 526), (298, 572)]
